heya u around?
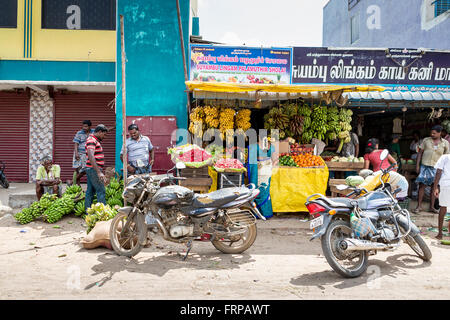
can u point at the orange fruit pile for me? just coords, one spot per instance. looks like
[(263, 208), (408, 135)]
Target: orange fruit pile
[(307, 160)]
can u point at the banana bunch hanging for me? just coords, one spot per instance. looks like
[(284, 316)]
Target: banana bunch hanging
[(211, 116), (197, 123), (243, 119)]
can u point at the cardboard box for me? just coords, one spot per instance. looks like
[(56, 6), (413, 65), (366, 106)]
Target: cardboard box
[(284, 147)]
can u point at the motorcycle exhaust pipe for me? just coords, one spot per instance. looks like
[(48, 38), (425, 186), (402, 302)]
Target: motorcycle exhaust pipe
[(358, 245)]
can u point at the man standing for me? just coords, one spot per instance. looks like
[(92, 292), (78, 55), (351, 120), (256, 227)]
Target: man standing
[(140, 152), (47, 178), (79, 153), (430, 150), (351, 149), (96, 180), (442, 188)]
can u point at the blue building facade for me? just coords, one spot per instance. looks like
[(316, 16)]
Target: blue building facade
[(155, 80), (387, 24)]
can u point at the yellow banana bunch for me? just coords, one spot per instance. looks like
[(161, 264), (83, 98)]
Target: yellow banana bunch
[(211, 116), (197, 114), (226, 119), (243, 119)]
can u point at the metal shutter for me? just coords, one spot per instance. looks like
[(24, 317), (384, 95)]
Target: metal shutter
[(14, 135), (70, 111)]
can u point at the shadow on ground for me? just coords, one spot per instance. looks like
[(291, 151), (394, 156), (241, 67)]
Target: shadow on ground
[(392, 267)]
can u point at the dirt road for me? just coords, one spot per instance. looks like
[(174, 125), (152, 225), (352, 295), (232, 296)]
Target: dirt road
[(42, 262)]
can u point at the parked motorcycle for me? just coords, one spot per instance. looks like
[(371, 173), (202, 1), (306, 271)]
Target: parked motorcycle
[(352, 229), (3, 181), (227, 215)]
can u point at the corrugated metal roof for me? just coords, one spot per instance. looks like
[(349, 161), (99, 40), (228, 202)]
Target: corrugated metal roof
[(399, 95)]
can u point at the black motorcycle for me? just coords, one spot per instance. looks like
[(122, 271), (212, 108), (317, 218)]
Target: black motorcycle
[(351, 229), (227, 215), (3, 181)]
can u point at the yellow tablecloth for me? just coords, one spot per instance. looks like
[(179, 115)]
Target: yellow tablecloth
[(290, 187)]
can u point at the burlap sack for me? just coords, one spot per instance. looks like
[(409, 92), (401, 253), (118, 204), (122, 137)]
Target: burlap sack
[(99, 236)]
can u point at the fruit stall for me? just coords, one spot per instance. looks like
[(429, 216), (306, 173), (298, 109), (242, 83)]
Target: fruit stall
[(300, 171)]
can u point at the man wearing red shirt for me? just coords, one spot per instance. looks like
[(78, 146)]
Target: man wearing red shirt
[(95, 162)]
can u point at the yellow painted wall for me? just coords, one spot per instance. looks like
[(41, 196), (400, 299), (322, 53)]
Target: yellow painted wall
[(56, 45), (11, 40)]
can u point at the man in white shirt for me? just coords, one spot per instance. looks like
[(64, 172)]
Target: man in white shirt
[(441, 188)]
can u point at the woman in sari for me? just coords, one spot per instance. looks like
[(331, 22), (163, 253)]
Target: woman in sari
[(261, 158)]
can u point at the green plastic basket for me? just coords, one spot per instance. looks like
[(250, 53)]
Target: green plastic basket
[(404, 204)]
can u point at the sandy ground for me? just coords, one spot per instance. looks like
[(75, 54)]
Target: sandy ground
[(39, 261)]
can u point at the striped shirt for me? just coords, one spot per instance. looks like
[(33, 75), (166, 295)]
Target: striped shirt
[(138, 150), (92, 143)]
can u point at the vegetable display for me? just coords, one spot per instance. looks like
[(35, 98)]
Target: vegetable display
[(286, 161), (354, 181)]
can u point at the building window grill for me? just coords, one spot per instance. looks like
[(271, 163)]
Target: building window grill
[(441, 6), (352, 3)]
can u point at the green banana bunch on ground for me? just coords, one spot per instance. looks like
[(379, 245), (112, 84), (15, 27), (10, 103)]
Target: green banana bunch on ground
[(36, 209), (73, 189), (59, 208), (79, 208), (98, 212)]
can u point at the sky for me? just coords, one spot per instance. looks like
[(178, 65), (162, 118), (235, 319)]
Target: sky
[(268, 23)]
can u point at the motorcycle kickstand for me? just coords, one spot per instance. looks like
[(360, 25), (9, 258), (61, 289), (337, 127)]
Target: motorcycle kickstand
[(189, 246)]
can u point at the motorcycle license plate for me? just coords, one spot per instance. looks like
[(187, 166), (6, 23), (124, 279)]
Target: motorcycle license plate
[(316, 222)]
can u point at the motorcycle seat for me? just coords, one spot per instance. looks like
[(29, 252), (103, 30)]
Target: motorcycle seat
[(219, 198), (346, 202)]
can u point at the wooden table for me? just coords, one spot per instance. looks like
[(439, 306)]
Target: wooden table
[(409, 172), (332, 183)]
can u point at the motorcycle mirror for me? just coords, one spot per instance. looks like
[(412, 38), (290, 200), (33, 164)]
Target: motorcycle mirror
[(180, 165), (384, 154), (341, 187)]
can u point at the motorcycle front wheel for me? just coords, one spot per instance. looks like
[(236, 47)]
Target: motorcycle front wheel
[(419, 246), (236, 244), (130, 242), (348, 264)]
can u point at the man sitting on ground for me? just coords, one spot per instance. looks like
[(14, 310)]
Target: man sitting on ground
[(48, 178)]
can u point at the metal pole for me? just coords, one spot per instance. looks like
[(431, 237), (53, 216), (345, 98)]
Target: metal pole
[(124, 97), (186, 78)]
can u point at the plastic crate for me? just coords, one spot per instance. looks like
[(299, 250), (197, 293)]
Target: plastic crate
[(235, 179), (404, 204)]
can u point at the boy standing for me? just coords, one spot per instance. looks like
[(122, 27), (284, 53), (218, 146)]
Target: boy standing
[(441, 188)]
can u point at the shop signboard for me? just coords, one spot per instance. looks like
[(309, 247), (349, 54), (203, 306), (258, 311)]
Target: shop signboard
[(394, 69), (210, 63)]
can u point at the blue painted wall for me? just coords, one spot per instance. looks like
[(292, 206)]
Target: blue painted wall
[(154, 69), (31, 70), (401, 26)]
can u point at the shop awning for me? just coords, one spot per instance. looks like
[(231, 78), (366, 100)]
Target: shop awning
[(399, 95), (398, 99), (279, 88)]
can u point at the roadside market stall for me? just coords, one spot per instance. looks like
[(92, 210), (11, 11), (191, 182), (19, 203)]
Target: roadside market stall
[(300, 115)]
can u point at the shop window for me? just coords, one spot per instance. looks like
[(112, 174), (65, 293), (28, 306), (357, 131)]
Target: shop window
[(79, 14), (441, 6), (352, 3), (8, 14), (354, 28)]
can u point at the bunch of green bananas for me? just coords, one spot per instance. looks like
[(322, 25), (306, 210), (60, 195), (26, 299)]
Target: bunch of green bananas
[(36, 209), (319, 121), (79, 208), (59, 208), (114, 193), (98, 212), (73, 189)]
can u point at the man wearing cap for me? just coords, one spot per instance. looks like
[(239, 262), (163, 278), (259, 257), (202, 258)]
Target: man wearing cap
[(48, 178), (140, 152), (96, 180)]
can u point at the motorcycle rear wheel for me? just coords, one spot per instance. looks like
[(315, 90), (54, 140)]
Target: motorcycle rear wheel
[(247, 238), (3, 181), (130, 244), (333, 254)]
